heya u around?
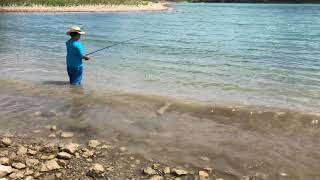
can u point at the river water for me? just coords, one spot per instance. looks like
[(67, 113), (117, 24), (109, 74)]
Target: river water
[(243, 81)]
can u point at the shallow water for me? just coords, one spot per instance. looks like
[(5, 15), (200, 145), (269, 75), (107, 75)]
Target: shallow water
[(242, 81)]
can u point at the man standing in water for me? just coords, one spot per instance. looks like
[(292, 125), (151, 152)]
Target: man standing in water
[(75, 54)]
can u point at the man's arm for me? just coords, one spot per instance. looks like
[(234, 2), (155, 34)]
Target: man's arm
[(81, 52)]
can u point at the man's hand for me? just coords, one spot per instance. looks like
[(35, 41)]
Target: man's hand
[(86, 57)]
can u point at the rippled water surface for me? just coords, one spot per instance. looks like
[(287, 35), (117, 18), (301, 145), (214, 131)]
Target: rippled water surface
[(241, 81), (235, 53)]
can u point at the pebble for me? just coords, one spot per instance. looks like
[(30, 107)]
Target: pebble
[(87, 153), (209, 170), (245, 178), (18, 165), (163, 109), (179, 172), (52, 135), (283, 174), (31, 152), (49, 166), (53, 127), (204, 158), (71, 148), (156, 177), (32, 162), (149, 171), (4, 170), (29, 178), (106, 147), (167, 170), (28, 172), (38, 113), (66, 134), (4, 161), (22, 151), (6, 141), (122, 149), (203, 174), (93, 143), (64, 155), (97, 168), (16, 175), (48, 157)]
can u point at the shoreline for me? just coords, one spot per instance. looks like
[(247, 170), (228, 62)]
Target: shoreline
[(87, 8)]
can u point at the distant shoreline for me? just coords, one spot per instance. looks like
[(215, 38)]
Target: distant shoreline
[(87, 8)]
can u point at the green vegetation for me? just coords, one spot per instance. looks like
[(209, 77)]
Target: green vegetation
[(70, 2)]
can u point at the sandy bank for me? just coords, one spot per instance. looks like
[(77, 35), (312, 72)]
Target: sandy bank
[(86, 8)]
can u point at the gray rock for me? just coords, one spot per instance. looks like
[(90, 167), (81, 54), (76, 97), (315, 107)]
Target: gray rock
[(70, 148), (179, 172), (6, 141), (97, 168), (4, 161), (156, 177), (94, 143), (49, 166), (5, 170), (32, 162), (18, 165), (149, 171), (22, 151), (64, 155), (48, 157), (67, 134)]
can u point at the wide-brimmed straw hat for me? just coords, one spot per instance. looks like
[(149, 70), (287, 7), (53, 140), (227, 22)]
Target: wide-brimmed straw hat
[(75, 29)]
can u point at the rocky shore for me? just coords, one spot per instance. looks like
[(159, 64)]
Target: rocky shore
[(31, 158)]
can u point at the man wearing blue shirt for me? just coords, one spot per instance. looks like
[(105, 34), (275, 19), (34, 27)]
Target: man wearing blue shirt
[(75, 54)]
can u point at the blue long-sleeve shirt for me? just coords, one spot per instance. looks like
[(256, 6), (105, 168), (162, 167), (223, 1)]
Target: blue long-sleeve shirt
[(75, 53)]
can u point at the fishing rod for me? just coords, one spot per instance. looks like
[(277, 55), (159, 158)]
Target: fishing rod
[(112, 45)]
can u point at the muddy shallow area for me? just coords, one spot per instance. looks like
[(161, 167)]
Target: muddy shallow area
[(234, 141)]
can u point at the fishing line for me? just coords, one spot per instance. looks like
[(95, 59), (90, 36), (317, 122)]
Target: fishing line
[(112, 45)]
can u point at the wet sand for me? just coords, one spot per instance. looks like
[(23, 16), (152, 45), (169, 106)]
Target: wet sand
[(87, 8)]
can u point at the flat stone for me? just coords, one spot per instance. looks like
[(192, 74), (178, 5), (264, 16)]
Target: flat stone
[(70, 148), (18, 165), (6, 141), (62, 162), (28, 172), (97, 168), (32, 162), (4, 161), (64, 155), (38, 113), (156, 177), (93, 143), (22, 151), (48, 157), (16, 175), (149, 171), (49, 166), (179, 172), (106, 146), (203, 158), (67, 134), (209, 170), (245, 178), (5, 170)]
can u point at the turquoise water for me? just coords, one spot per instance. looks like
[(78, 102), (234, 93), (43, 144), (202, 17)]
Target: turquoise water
[(244, 54)]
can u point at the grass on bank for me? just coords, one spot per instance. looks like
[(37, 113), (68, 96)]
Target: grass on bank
[(70, 2)]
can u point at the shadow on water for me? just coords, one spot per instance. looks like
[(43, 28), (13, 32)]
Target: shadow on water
[(60, 83)]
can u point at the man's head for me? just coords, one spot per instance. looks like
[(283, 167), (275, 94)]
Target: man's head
[(75, 32)]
